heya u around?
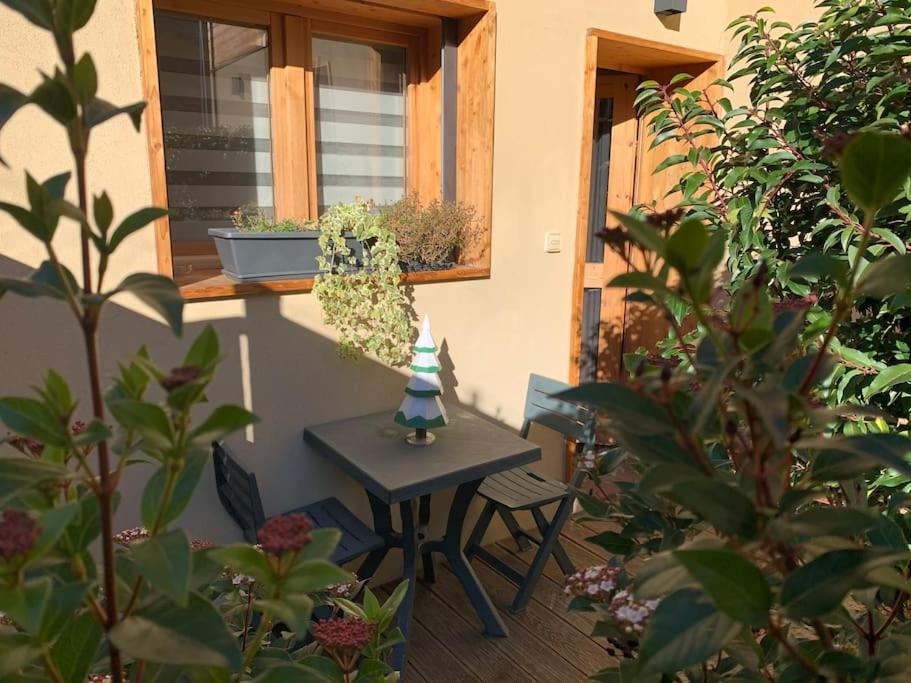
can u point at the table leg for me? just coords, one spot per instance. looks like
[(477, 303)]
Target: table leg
[(409, 572), (451, 547), (423, 523), (382, 524)]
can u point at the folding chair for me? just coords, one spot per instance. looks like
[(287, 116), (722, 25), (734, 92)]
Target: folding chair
[(239, 495), (522, 489)]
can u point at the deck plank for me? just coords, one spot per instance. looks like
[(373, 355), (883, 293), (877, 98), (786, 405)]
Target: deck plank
[(544, 625), (546, 644), (429, 659), (533, 655)]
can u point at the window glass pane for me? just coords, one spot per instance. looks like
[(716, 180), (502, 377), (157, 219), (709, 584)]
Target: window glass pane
[(215, 113), (360, 121)]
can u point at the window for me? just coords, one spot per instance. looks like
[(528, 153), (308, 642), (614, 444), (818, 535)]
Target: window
[(213, 79), (284, 109), (360, 121)]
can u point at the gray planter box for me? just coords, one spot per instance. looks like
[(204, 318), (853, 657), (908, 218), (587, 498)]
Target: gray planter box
[(251, 256)]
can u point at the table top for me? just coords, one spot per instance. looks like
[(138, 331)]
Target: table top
[(372, 450)]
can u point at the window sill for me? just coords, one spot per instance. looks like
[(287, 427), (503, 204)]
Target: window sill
[(221, 287)]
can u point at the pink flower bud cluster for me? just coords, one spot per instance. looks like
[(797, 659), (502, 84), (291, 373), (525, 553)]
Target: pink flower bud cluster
[(343, 639), (288, 533), (18, 533)]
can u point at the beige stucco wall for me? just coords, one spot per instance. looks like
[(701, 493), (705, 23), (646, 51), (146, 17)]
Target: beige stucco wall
[(278, 356)]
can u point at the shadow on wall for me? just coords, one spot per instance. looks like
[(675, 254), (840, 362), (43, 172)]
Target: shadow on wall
[(291, 377)]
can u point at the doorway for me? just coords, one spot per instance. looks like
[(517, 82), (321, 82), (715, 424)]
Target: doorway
[(616, 175), (615, 136)]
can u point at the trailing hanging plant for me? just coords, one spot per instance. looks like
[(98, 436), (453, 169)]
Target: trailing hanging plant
[(150, 604), (362, 297), (772, 551), (766, 173)]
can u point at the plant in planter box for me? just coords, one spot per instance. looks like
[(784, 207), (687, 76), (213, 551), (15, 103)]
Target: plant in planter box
[(256, 220), (74, 601), (792, 562), (362, 297), (260, 248), (429, 237)]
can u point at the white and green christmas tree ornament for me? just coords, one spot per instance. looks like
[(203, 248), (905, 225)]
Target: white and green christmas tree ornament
[(422, 408)]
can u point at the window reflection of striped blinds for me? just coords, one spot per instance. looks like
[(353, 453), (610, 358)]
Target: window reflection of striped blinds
[(360, 121), (215, 110)]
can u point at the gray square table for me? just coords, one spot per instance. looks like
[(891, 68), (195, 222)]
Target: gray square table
[(372, 450)]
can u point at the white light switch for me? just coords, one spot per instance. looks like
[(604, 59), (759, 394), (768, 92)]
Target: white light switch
[(552, 242)]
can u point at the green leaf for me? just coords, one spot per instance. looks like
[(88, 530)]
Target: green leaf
[(293, 610), (38, 12), (295, 673), (187, 480), (19, 474), (85, 78), (816, 265), (686, 245), (28, 220), (873, 168), (75, 13), (192, 635), (148, 420), (99, 111), (685, 630), (224, 420), (25, 604), (53, 524), (885, 277), (724, 507), (314, 575), (74, 651), (612, 542), (245, 559), (104, 212), (831, 521), (818, 587), (166, 562), (322, 544), (135, 221), (203, 351), (632, 410), (888, 378), (847, 456), (11, 100), (736, 586), (33, 419), (642, 232), (159, 292), (55, 98)]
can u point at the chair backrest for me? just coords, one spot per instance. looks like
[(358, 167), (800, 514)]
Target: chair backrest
[(573, 421), (238, 491)]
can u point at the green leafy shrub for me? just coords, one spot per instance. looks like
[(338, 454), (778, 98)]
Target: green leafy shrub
[(773, 549), (429, 235), (153, 606), (766, 172), (362, 297)]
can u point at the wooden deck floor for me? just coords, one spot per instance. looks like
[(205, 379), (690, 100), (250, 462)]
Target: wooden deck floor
[(546, 643)]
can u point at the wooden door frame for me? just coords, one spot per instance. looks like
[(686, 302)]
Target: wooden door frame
[(651, 60)]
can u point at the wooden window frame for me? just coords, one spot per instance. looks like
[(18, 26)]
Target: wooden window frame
[(414, 24)]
